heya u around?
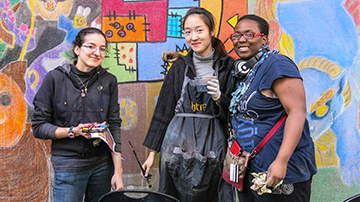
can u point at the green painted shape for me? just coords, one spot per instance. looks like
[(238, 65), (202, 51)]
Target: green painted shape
[(328, 186), (14, 2), (119, 70), (69, 55), (2, 49)]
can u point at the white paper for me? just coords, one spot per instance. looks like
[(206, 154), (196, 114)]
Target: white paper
[(107, 138)]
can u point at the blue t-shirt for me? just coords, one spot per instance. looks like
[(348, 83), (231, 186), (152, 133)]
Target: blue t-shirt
[(257, 114)]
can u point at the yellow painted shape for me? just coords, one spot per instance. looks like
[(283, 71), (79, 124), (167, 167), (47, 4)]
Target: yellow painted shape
[(273, 15), (324, 64), (30, 30), (79, 21), (323, 99), (35, 73), (325, 150), (39, 8), (214, 7), (232, 21), (286, 45), (322, 111), (128, 112), (346, 94)]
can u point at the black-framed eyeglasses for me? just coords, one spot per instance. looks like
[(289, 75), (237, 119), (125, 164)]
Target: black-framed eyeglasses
[(93, 49), (247, 35)]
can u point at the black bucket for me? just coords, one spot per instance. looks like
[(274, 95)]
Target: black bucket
[(136, 196)]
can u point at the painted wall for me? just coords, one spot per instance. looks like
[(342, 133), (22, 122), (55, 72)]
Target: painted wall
[(321, 36)]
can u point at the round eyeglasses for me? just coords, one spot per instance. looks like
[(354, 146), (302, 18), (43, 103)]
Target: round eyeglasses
[(93, 49), (247, 35)]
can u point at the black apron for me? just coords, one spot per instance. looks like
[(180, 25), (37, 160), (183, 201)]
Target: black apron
[(193, 149)]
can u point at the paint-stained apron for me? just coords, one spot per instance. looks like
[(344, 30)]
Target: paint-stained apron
[(193, 148)]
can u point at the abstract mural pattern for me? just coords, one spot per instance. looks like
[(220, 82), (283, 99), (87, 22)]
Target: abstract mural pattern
[(321, 36)]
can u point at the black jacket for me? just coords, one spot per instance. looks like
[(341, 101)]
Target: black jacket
[(171, 91), (58, 104)]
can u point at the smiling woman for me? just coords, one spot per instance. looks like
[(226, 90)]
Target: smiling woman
[(198, 36), (89, 51), (189, 122), (71, 97), (271, 88)]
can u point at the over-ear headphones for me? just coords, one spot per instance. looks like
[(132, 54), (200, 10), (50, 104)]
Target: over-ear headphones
[(242, 67)]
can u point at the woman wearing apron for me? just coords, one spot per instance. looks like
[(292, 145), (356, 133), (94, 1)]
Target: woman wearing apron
[(189, 122)]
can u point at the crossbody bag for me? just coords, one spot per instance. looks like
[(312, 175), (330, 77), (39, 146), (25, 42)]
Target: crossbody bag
[(237, 160)]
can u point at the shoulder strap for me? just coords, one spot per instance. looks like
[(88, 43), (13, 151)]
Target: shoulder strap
[(268, 136)]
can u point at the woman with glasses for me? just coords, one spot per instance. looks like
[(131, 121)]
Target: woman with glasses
[(265, 91), (267, 86), (72, 97), (190, 118)]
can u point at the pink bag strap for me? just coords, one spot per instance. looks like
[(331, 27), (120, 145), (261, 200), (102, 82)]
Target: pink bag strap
[(268, 136)]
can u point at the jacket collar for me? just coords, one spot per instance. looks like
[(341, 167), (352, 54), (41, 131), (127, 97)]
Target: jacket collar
[(66, 68), (189, 60)]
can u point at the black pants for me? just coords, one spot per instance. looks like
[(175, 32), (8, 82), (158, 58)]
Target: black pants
[(301, 192)]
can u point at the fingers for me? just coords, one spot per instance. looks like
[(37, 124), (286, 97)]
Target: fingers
[(164, 56), (78, 131), (170, 56), (146, 173), (213, 89), (213, 85), (213, 82), (148, 164), (272, 181), (147, 170), (172, 60), (141, 173), (113, 187), (146, 167)]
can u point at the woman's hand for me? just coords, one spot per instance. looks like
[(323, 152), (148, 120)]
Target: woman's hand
[(63, 132), (117, 179), (117, 182), (214, 89), (78, 130), (148, 164), (170, 56), (276, 172)]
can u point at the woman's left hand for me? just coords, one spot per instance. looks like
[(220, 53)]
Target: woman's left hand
[(214, 89), (78, 130), (276, 172)]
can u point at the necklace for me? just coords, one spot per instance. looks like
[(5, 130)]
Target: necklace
[(242, 86), (84, 90)]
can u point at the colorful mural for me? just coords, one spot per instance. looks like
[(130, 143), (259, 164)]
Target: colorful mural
[(321, 36)]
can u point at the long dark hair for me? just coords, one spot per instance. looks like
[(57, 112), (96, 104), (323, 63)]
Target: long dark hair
[(80, 38), (208, 19), (263, 25)]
